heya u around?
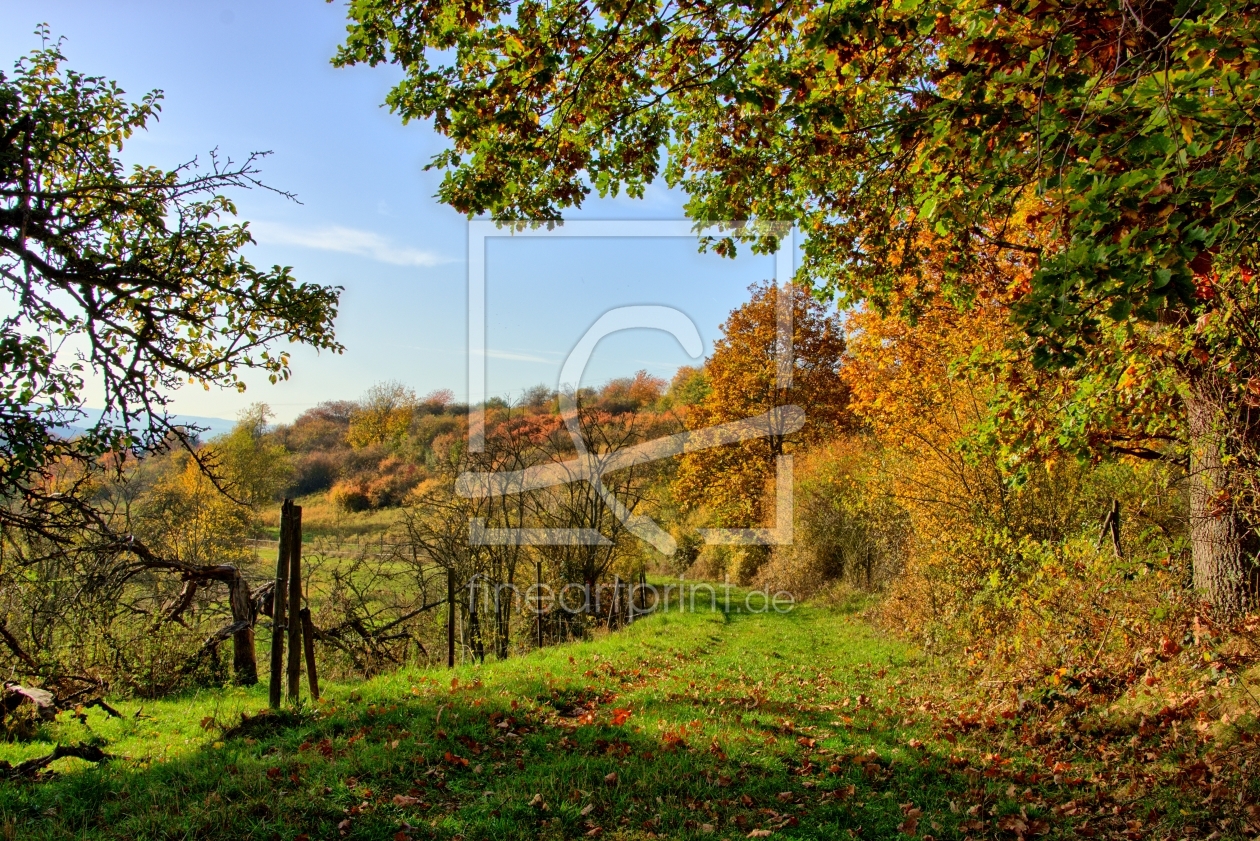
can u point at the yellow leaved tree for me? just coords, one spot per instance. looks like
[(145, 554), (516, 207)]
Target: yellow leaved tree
[(730, 483)]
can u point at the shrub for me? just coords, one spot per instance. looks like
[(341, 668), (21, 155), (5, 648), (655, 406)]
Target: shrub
[(351, 495), (313, 473), (849, 528)]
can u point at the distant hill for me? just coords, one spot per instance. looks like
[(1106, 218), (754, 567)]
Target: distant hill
[(210, 427)]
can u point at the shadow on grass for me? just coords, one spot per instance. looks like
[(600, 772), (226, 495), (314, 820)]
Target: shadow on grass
[(684, 726)]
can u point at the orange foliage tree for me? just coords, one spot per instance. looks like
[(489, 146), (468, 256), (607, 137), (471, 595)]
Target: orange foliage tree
[(730, 482), (978, 443)]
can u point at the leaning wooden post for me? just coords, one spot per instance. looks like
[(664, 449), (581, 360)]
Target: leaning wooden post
[(450, 618), (295, 605), (308, 643), (277, 605), (538, 601), (475, 638), (1111, 528), (613, 617)]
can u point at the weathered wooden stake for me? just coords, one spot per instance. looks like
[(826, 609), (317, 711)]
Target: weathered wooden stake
[(614, 617), (308, 643), (277, 605), (1111, 528), (450, 618), (475, 638), (538, 601), (295, 606)]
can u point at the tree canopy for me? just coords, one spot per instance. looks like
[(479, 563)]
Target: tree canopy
[(1130, 127), (125, 284)]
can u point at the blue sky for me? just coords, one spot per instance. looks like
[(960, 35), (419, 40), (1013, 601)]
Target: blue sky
[(249, 76)]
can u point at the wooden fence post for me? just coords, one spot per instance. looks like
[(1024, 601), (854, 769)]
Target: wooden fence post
[(475, 637), (295, 606), (450, 618), (538, 611), (612, 605), (308, 643), (1111, 528), (277, 605)]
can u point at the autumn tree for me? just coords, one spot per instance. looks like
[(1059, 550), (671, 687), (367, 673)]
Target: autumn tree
[(742, 380), (124, 283), (257, 466), (383, 416), (640, 391), (1130, 124), (139, 269), (688, 388), (608, 503)]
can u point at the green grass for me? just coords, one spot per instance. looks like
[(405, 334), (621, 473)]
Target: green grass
[(322, 518), (808, 725)]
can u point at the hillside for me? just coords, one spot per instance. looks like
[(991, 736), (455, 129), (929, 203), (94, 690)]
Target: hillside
[(803, 725)]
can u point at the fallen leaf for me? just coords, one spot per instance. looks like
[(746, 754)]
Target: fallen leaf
[(1013, 823), (911, 824)]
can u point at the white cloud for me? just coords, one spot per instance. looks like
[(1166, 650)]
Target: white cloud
[(516, 357), (345, 241)]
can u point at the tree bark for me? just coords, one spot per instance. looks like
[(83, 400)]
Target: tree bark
[(1221, 540), (244, 659)]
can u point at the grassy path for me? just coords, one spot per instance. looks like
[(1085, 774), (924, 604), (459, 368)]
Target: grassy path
[(806, 725)]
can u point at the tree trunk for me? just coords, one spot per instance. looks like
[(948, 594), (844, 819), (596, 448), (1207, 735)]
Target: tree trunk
[(1221, 540), (244, 661)]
